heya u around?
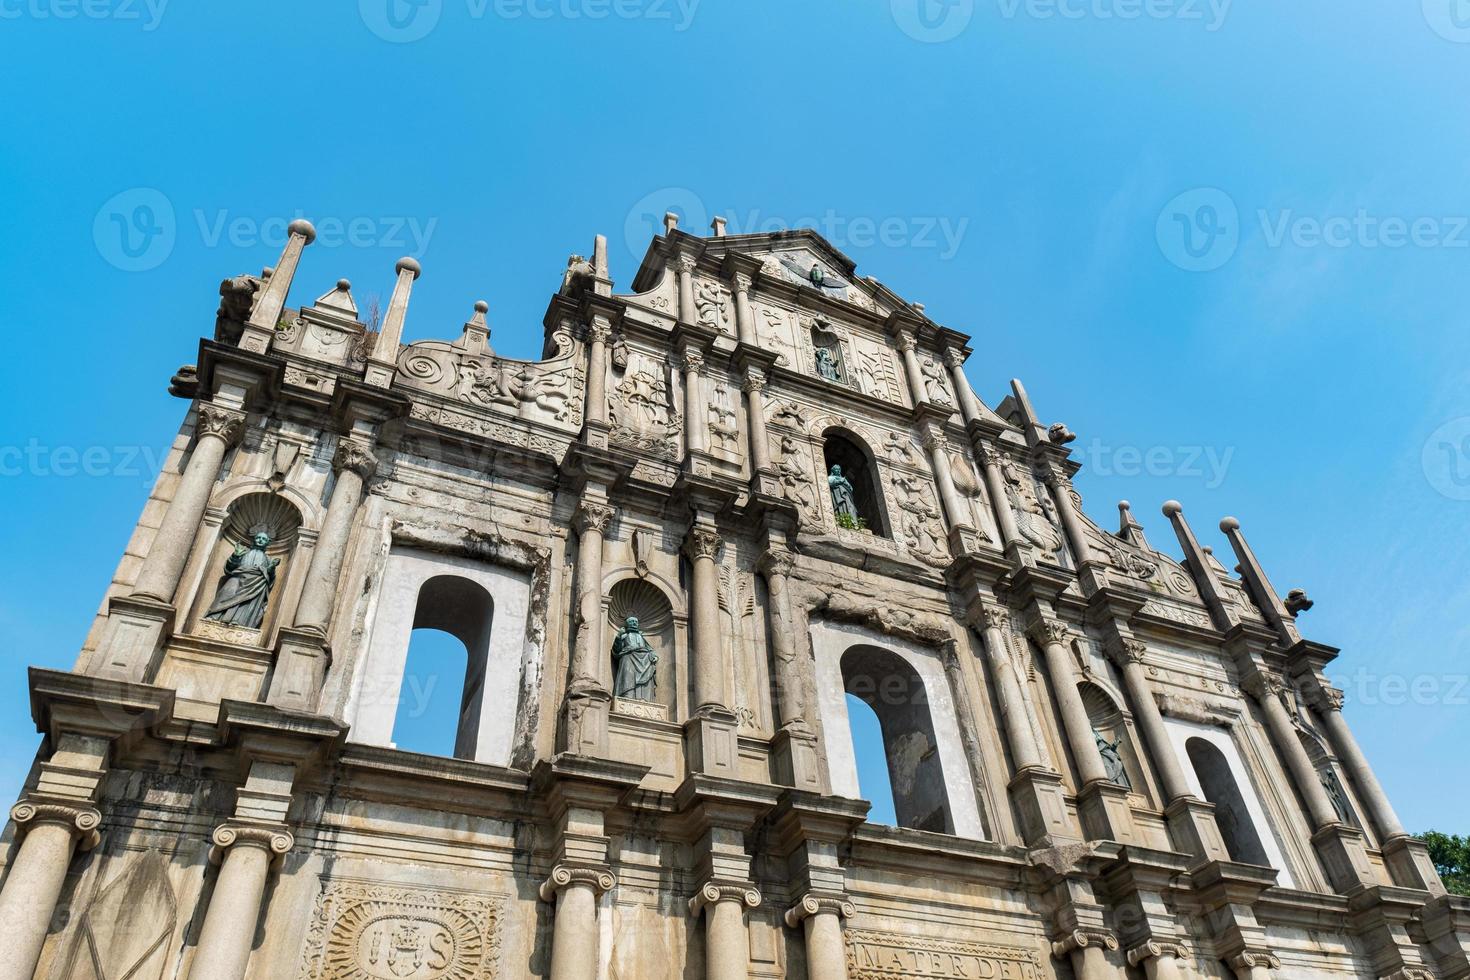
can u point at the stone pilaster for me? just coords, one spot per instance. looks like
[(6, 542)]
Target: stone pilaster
[(589, 690), (710, 733), (245, 852)]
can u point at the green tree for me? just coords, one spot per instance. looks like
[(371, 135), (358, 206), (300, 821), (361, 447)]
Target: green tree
[(1451, 856)]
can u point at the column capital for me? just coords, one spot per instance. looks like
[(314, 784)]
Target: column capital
[(1251, 959), (563, 876), (81, 821), (1321, 696), (685, 263), (1151, 949), (1126, 650), (755, 379), (592, 516), (702, 542), (996, 617), (355, 456), (715, 891), (777, 563), (693, 361), (599, 330), (903, 340), (954, 357), (742, 281), (225, 424), (817, 903), (1083, 938), (1263, 685), (274, 840), (1046, 631)]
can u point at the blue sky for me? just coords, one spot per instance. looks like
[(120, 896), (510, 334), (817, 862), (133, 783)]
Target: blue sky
[(1225, 243)]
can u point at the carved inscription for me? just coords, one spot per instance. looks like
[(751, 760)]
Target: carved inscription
[(887, 956), (369, 931)]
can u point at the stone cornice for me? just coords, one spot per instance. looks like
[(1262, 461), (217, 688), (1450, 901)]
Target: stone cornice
[(66, 703)]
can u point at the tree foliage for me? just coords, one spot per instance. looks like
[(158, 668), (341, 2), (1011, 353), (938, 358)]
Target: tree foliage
[(1451, 856)]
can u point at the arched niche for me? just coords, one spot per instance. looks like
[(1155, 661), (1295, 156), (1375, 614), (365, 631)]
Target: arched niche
[(842, 447), (645, 600), (485, 606), (1111, 725), (245, 515), (1332, 783), (1231, 813), (924, 749)]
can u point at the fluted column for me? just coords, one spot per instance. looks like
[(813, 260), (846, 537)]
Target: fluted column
[(744, 318), (820, 918), (709, 672), (1328, 705), (574, 943), (726, 944), (760, 445), (354, 462), (49, 834), (1268, 691), (1076, 726), (1019, 735), (216, 430), (245, 855), (969, 404)]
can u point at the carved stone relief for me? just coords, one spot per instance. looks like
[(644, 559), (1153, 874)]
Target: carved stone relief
[(935, 384), (1033, 510), (920, 525), (724, 427), (369, 931), (712, 304), (896, 956), (877, 375), (642, 412), (797, 483)]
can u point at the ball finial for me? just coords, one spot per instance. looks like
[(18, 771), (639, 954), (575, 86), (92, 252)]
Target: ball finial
[(481, 306), (343, 285), (1172, 507), (303, 228), (1229, 524), (410, 265)]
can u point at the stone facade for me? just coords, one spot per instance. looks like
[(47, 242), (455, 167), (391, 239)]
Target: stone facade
[(1105, 763)]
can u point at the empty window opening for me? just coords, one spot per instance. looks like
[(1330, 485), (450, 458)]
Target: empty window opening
[(888, 685), (441, 696), (1219, 786), (872, 761)]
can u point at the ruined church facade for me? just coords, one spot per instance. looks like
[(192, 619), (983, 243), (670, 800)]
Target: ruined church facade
[(725, 510)]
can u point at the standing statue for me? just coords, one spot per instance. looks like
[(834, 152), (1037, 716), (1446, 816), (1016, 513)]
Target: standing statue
[(634, 664), (827, 365), (1328, 777), (1112, 760), (245, 587), (844, 502)]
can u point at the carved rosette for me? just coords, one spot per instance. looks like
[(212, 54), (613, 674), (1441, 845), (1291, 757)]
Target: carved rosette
[(276, 841), (702, 543), (1083, 938), (713, 892), (81, 821), (816, 903), (1151, 949), (224, 424), (600, 880), (353, 456)]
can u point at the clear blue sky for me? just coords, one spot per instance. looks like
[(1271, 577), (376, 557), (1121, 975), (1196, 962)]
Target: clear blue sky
[(1232, 235)]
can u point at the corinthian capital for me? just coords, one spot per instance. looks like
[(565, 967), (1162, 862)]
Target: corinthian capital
[(997, 618), (953, 357), (1262, 685), (599, 331), (1050, 631), (777, 564), (1127, 651), (592, 516), (742, 282), (702, 542), (354, 456), (693, 362), (222, 423)]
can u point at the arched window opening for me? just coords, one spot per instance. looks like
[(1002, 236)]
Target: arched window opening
[(855, 465), (872, 761), (443, 688), (1110, 733), (887, 684), (1219, 786)]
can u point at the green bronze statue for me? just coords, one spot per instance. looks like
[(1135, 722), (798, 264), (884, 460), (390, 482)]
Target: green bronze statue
[(635, 664), (245, 588)]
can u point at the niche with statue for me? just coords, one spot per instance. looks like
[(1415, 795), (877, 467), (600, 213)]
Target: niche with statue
[(240, 594), (641, 644)]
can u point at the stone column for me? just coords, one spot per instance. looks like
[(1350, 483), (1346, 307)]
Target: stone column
[(1086, 949), (936, 446), (589, 692), (1076, 726), (726, 945), (905, 342), (216, 430), (1160, 960), (574, 941), (354, 463), (260, 330), (820, 917), (1328, 705), (597, 336), (707, 667), (1061, 489), (760, 445), (1268, 691), (49, 834), (744, 319), (245, 855), (995, 486), (688, 312), (695, 413), (969, 405), (795, 742), (1129, 656), (383, 362), (1013, 717)]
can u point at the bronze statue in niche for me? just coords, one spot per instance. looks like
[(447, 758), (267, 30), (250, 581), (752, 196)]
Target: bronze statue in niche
[(635, 664), (245, 588)]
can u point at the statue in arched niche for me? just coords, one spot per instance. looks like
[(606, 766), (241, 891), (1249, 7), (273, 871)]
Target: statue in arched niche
[(1112, 760), (635, 664), (844, 499), (245, 588)]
